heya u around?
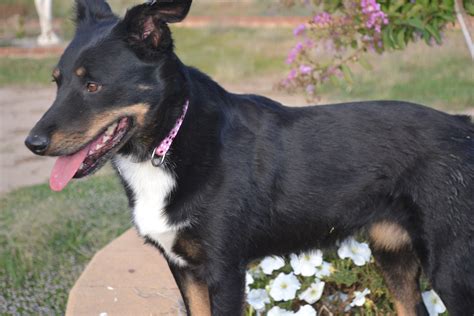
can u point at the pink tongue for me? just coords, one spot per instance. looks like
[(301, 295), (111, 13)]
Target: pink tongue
[(65, 168)]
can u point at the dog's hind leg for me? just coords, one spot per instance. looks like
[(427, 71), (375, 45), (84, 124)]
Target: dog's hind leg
[(194, 291), (227, 291), (400, 267)]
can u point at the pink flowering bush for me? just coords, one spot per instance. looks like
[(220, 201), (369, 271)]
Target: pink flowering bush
[(341, 33)]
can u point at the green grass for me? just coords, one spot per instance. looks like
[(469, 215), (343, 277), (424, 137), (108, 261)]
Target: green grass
[(227, 54), (234, 54), (47, 238), (63, 9), (22, 71), (440, 76)]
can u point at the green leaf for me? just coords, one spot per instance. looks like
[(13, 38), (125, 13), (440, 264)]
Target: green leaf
[(407, 7), (425, 3), (426, 37), (394, 7), (469, 7), (401, 39), (447, 17), (344, 276), (391, 36), (417, 23), (414, 10), (386, 39), (435, 33), (347, 73)]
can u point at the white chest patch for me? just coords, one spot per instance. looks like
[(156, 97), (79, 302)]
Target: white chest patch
[(151, 186)]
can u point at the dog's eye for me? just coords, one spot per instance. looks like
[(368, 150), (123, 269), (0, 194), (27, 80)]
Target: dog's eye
[(93, 87)]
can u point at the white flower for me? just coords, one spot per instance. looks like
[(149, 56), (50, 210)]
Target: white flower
[(248, 280), (325, 269), (269, 264), (359, 297), (258, 298), (433, 303), (313, 293), (306, 263), (284, 287), (277, 311), (358, 252), (306, 310)]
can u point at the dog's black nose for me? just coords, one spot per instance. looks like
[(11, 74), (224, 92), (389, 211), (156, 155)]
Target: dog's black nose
[(37, 143)]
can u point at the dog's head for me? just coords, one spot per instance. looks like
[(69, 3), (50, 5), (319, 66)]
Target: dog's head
[(118, 84)]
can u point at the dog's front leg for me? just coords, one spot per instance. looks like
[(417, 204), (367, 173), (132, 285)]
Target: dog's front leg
[(194, 291), (227, 292)]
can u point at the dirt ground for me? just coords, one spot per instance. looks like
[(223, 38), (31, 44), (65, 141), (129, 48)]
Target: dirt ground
[(20, 108)]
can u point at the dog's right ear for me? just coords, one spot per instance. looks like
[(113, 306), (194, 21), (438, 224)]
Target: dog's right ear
[(92, 11)]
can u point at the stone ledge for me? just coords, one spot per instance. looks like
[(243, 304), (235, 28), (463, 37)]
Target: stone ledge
[(126, 278)]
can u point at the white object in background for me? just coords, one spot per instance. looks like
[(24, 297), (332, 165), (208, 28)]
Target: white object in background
[(459, 9), (47, 36)]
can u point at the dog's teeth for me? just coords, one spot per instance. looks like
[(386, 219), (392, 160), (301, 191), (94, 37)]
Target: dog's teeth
[(105, 139), (111, 129), (81, 166), (99, 146)]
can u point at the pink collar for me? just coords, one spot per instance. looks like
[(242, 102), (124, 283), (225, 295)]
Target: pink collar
[(159, 153)]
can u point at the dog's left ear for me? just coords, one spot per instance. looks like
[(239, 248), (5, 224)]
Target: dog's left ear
[(146, 24), (170, 11)]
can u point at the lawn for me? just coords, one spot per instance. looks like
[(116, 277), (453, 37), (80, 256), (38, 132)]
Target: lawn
[(46, 239), (64, 9), (439, 76)]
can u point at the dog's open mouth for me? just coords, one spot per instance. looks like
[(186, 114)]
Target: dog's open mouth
[(91, 157)]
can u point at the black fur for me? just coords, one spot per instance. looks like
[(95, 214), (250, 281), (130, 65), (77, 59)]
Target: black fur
[(259, 178)]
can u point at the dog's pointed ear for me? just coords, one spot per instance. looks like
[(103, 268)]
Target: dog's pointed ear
[(170, 11), (145, 25), (92, 11)]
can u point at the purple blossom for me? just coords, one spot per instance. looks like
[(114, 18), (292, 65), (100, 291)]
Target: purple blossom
[(292, 75), (322, 19), (374, 16), (294, 52), (300, 29), (304, 69), (310, 89)]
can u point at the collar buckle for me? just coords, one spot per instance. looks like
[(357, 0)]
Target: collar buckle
[(156, 160)]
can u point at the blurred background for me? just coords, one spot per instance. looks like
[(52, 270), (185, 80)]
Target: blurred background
[(46, 238)]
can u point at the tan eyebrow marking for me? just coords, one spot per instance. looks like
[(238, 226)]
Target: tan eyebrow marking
[(80, 72)]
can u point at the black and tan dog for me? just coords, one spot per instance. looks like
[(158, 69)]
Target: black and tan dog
[(216, 180)]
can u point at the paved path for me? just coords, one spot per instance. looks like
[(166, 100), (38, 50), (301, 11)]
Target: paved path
[(126, 278), (20, 108)]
